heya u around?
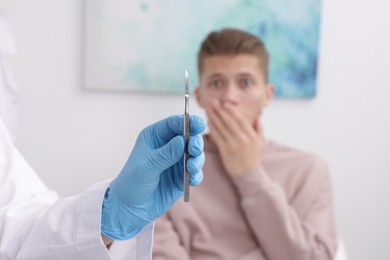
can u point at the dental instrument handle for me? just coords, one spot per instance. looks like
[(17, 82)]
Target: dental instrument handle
[(186, 136)]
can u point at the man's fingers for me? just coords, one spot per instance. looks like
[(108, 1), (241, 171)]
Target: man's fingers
[(217, 127), (230, 124), (243, 126)]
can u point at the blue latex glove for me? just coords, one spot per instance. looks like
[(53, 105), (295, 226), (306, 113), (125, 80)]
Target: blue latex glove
[(152, 179)]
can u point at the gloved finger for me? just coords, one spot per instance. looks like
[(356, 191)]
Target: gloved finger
[(195, 164), (164, 130), (196, 179), (197, 125), (195, 145), (164, 157), (178, 178), (175, 125)]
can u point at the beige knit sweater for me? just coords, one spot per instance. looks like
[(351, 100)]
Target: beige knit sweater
[(281, 210)]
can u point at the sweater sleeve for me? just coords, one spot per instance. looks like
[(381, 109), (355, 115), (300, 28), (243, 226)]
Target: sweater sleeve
[(281, 232), (167, 243)]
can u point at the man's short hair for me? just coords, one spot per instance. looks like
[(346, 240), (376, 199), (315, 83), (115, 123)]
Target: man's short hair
[(233, 42)]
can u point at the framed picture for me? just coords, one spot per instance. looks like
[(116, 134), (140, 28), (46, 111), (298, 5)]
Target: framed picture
[(145, 46)]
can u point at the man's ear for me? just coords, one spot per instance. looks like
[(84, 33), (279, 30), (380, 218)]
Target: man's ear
[(269, 94), (198, 96)]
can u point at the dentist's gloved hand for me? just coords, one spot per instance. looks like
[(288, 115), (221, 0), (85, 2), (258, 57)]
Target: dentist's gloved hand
[(152, 179)]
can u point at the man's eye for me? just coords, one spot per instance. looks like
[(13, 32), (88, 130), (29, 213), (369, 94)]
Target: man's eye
[(216, 83), (246, 83)]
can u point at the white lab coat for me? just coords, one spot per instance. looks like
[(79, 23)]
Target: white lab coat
[(34, 222), (9, 94)]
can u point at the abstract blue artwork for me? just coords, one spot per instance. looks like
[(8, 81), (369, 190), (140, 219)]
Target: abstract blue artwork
[(145, 46)]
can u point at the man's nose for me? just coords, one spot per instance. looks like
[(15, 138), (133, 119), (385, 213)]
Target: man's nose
[(230, 94)]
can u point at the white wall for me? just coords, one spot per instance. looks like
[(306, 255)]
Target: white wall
[(74, 138)]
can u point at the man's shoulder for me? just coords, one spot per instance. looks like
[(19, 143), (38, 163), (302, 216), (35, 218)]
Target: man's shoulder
[(298, 171), (279, 148), (277, 152)]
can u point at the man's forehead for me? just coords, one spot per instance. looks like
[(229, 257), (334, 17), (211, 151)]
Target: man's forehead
[(238, 65), (230, 57), (243, 60)]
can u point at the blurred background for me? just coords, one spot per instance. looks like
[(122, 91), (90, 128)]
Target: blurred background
[(73, 137)]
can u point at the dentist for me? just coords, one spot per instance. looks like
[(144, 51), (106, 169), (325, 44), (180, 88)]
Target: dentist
[(36, 224)]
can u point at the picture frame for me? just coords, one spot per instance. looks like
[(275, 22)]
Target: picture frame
[(145, 46)]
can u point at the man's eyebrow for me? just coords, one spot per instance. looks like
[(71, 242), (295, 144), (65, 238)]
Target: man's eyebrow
[(216, 74), (245, 74), (241, 74)]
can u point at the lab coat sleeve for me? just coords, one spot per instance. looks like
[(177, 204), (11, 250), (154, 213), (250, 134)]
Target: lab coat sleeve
[(35, 224)]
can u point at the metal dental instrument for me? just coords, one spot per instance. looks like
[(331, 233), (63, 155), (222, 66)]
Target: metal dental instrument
[(186, 136)]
